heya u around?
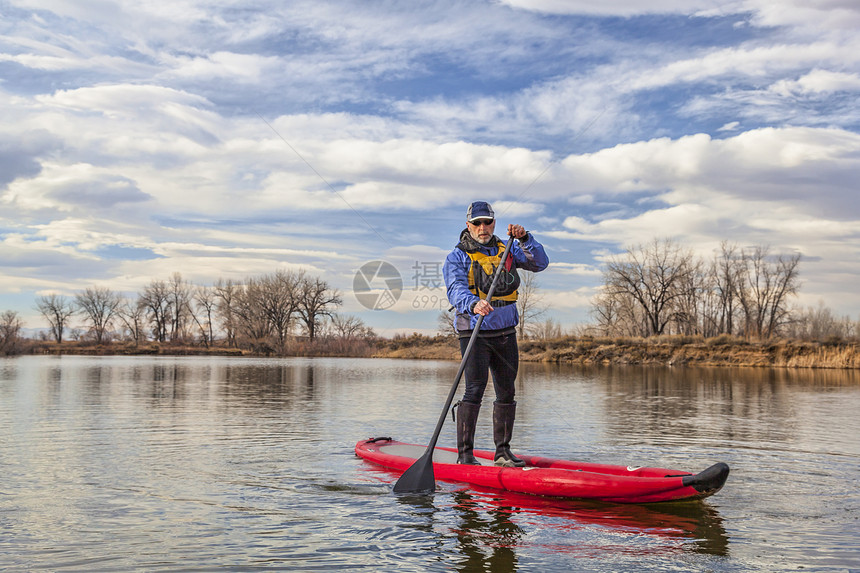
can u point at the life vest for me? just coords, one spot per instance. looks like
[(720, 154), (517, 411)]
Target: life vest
[(482, 269)]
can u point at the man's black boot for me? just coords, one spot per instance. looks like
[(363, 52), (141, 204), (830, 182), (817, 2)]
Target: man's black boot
[(467, 419), (503, 427)]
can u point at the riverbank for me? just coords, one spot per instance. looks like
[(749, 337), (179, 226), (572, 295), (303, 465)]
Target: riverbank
[(698, 351), (664, 350)]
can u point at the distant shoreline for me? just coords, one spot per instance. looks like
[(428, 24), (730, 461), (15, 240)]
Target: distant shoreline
[(669, 351), (723, 351)]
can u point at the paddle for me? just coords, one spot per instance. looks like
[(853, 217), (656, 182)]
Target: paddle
[(419, 477)]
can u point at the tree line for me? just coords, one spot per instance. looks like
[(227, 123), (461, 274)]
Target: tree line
[(653, 289), (663, 288), (262, 313)]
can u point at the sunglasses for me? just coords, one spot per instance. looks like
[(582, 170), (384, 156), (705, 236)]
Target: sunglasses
[(486, 222)]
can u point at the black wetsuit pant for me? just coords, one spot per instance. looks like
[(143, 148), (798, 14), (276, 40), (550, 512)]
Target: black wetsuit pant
[(496, 354)]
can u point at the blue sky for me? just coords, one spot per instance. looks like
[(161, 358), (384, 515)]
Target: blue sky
[(226, 139)]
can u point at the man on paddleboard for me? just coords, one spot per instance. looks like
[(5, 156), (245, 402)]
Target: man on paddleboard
[(468, 272)]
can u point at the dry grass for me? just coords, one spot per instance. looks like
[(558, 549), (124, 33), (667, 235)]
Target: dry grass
[(436, 351), (130, 349), (663, 350), (676, 350)]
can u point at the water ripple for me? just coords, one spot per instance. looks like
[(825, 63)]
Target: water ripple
[(232, 465)]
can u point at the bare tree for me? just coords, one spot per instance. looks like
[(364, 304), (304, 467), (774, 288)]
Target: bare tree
[(692, 303), (57, 310), (345, 325), (446, 322), (155, 298), (205, 303), (350, 327), (726, 276), (818, 323), (546, 330), (528, 303), (10, 329), (280, 295), (604, 311), (662, 289), (225, 294), (655, 276), (251, 320), (618, 314), (99, 306), (765, 286), (132, 314), (179, 296), (316, 300)]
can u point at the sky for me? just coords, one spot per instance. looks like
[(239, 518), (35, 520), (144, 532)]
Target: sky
[(224, 139)]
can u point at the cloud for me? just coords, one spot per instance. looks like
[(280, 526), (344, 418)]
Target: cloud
[(786, 188), (808, 165), (99, 193), (818, 82), (247, 68), (817, 15), (824, 14), (121, 100), (576, 269), (75, 188), (31, 263), (133, 140), (18, 151), (615, 7), (560, 300)]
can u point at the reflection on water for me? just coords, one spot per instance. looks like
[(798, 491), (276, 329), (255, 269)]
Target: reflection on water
[(487, 536), (491, 528), (697, 522), (162, 463)]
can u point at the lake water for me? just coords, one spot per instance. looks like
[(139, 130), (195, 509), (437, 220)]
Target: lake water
[(201, 464)]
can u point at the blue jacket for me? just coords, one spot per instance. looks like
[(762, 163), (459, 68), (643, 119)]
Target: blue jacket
[(526, 253)]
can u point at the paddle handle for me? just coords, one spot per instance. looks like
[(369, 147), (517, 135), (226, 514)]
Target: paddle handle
[(468, 350)]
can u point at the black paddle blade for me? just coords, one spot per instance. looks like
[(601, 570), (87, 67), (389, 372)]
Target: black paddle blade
[(419, 477)]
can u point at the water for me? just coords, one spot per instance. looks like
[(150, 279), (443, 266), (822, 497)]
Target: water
[(201, 464)]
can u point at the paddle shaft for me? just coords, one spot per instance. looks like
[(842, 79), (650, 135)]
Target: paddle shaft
[(426, 461)]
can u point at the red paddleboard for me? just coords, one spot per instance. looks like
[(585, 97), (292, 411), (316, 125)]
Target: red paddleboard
[(552, 477)]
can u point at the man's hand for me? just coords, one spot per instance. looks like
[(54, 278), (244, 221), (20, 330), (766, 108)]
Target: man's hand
[(483, 308), (517, 231)]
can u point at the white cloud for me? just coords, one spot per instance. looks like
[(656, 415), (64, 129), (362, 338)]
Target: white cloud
[(512, 209), (132, 127), (78, 187), (824, 14), (248, 68), (787, 163), (750, 62), (817, 82), (126, 100), (576, 269), (615, 7), (787, 188), (814, 14), (560, 300)]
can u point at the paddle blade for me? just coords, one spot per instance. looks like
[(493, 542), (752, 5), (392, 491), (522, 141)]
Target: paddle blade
[(419, 477)]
